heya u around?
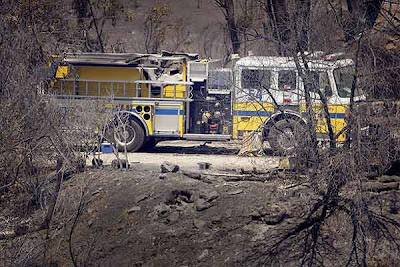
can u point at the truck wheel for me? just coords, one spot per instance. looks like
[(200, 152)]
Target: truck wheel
[(283, 136), (149, 144), (131, 136)]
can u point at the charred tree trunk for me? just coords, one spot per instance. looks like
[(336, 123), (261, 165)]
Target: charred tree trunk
[(279, 21), (228, 8), (303, 24), (363, 16)]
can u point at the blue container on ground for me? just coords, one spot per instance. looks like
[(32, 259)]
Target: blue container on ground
[(106, 148)]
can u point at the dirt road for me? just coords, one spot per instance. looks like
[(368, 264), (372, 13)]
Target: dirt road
[(187, 154)]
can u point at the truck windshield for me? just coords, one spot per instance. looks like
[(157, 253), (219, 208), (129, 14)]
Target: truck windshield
[(344, 79)]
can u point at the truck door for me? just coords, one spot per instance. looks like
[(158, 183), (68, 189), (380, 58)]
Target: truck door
[(168, 119), (285, 87), (320, 82)]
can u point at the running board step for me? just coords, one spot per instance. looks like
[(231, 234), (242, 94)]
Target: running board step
[(207, 137)]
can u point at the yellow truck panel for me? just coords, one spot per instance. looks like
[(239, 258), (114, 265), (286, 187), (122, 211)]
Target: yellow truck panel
[(250, 116), (62, 72), (337, 115), (111, 73)]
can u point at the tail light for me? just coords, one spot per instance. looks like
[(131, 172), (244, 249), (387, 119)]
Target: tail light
[(287, 100), (213, 126)]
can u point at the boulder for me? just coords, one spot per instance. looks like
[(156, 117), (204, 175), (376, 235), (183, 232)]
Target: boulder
[(179, 196), (276, 218), (172, 218), (133, 209), (209, 196), (235, 192), (162, 210), (201, 204), (169, 167), (199, 224)]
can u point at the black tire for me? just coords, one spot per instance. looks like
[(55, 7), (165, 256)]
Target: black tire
[(149, 144), (134, 136), (283, 136)]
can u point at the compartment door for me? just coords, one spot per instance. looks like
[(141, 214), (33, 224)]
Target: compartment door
[(166, 119)]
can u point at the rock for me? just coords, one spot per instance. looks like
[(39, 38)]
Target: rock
[(201, 204), (182, 207), (169, 167), (209, 195), (179, 196), (380, 187), (133, 209), (193, 175), (197, 176), (264, 211), (228, 213), (203, 254), (89, 223), (162, 210), (258, 230), (122, 163), (255, 215), (199, 224), (216, 219), (141, 197), (173, 217), (235, 192), (276, 219)]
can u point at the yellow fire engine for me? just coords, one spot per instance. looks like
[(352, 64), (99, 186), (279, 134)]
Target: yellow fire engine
[(178, 96)]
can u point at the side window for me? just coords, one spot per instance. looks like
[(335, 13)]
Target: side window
[(253, 82), (218, 79), (249, 78), (287, 80), (255, 78), (344, 81), (321, 80)]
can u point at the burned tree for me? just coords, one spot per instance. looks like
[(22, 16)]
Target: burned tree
[(92, 16), (228, 8), (339, 175)]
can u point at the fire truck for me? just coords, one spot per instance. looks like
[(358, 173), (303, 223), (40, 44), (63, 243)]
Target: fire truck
[(180, 96)]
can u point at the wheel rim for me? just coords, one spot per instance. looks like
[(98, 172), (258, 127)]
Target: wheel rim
[(286, 139), (124, 136)]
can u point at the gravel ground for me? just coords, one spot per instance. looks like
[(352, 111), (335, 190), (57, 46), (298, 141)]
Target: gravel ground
[(187, 154)]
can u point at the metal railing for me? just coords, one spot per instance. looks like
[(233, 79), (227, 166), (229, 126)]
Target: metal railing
[(122, 89)]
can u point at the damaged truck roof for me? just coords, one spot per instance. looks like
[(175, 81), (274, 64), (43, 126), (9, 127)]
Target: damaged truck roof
[(123, 59)]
